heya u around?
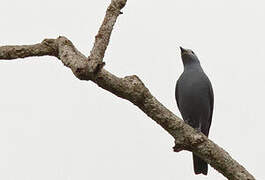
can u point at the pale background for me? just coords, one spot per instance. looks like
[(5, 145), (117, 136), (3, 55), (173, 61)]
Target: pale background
[(55, 127)]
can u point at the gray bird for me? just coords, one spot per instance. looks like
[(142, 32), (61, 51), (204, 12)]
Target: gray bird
[(194, 96)]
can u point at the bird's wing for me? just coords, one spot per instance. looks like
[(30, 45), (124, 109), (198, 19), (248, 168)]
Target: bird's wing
[(211, 101), (211, 98), (176, 94)]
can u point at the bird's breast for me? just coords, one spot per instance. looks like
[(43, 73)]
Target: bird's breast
[(193, 93)]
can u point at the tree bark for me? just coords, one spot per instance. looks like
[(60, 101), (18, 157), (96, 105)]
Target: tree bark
[(130, 88)]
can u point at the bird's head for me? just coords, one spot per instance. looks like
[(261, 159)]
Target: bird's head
[(188, 56)]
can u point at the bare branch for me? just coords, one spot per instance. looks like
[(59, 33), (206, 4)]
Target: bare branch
[(132, 89), (103, 36), (46, 47)]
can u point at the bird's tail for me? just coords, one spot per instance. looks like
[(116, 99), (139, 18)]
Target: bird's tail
[(200, 166)]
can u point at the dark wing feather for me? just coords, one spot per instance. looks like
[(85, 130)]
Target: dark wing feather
[(176, 93), (211, 98), (211, 102)]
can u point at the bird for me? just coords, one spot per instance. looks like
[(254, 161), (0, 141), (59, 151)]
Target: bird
[(195, 100)]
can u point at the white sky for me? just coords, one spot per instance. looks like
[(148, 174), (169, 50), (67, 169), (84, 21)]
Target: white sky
[(55, 127)]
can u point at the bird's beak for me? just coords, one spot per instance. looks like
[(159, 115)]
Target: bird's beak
[(182, 49)]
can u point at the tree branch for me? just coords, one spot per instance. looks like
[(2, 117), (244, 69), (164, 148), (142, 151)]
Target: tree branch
[(132, 89), (46, 47), (103, 36)]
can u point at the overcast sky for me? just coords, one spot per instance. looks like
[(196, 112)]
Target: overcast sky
[(55, 127)]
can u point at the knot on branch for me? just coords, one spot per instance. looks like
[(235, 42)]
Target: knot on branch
[(118, 4)]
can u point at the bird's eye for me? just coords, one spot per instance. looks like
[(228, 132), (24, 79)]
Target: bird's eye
[(192, 52)]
